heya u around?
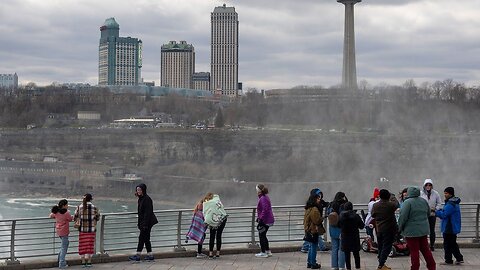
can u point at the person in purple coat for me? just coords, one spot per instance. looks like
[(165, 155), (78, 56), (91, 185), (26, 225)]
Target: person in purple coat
[(265, 220)]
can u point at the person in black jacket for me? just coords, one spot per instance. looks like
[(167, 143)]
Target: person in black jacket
[(350, 223), (146, 220)]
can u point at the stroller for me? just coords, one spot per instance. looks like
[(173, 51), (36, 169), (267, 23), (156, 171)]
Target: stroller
[(399, 246)]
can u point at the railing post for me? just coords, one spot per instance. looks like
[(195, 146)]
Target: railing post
[(477, 233), (102, 235), (253, 242), (289, 223), (179, 247), (12, 259)]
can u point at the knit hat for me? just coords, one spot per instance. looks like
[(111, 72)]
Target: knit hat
[(450, 190), (316, 191), (376, 193)]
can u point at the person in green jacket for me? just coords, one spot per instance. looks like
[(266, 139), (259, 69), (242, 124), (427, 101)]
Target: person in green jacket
[(413, 225)]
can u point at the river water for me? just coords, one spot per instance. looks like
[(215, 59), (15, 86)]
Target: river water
[(12, 207)]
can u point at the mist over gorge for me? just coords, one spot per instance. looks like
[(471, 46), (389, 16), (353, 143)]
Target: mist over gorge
[(182, 165)]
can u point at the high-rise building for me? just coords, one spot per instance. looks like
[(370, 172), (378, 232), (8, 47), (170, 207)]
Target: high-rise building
[(119, 58), (177, 65), (201, 80), (9, 81), (224, 50)]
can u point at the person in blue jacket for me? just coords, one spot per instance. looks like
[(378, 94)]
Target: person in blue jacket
[(451, 226)]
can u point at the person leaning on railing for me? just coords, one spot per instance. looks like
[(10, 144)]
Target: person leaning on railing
[(86, 216)]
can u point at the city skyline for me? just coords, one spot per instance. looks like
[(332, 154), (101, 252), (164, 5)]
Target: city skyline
[(281, 44)]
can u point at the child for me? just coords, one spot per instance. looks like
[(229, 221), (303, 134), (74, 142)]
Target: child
[(62, 218), (198, 229), (350, 223)]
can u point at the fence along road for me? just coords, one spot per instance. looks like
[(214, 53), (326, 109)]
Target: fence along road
[(30, 238)]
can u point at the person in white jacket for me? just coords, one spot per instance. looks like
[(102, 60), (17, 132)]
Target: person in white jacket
[(434, 202)]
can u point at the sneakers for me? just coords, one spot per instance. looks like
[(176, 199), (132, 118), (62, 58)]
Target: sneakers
[(201, 256), (269, 253), (261, 255), (384, 267), (304, 250), (459, 262), (326, 249), (149, 258), (135, 258), (446, 263), (314, 266), (86, 265)]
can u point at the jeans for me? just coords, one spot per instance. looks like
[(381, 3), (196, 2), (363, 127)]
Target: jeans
[(450, 247), (385, 242), (416, 245), (144, 239), (337, 255), (263, 239), (312, 254), (431, 222), (321, 244), (63, 251), (216, 233)]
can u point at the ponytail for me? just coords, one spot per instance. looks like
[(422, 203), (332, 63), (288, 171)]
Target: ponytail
[(86, 198)]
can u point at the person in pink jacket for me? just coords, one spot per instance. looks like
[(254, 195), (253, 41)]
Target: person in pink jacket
[(62, 219)]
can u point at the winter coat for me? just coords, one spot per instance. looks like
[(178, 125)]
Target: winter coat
[(62, 219), (264, 210), (414, 214), (350, 222), (383, 212), (434, 202), (214, 212), (146, 217), (88, 217), (312, 219), (450, 216)]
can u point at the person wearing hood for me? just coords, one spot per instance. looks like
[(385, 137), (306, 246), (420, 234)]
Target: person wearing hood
[(146, 220), (434, 202), (265, 220), (451, 226), (321, 243), (413, 225)]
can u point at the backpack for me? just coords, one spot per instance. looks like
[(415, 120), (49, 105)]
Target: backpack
[(332, 217)]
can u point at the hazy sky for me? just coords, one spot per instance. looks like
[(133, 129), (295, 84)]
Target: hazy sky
[(283, 43)]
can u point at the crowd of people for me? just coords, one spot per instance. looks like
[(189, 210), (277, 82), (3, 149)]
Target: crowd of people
[(412, 216)]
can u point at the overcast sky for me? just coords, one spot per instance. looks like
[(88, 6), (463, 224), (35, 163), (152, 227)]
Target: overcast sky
[(283, 43)]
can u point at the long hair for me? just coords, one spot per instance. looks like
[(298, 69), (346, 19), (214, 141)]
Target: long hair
[(86, 198), (208, 197), (312, 201)]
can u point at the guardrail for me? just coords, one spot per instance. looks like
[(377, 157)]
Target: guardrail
[(117, 232)]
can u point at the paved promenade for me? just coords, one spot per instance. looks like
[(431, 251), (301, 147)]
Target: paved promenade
[(280, 261)]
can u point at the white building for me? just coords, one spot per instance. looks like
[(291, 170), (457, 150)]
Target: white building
[(177, 65), (9, 81), (224, 50)]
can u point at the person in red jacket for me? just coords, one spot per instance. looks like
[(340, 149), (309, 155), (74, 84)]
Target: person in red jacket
[(62, 219)]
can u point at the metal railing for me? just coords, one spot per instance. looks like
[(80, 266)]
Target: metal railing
[(117, 232)]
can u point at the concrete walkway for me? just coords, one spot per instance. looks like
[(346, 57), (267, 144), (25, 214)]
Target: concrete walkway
[(287, 260)]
